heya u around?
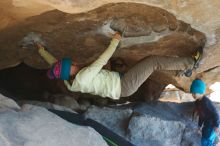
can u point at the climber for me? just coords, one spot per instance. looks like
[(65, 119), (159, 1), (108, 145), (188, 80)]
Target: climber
[(208, 116), (95, 80)]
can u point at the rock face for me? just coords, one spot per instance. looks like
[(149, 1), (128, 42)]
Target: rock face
[(195, 12), (139, 126), (118, 123), (32, 126), (159, 123), (164, 28), (170, 29), (176, 96), (162, 124), (147, 31), (161, 32)]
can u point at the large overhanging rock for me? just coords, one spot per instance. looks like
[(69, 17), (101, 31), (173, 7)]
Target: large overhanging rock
[(151, 31), (195, 12), (147, 31)]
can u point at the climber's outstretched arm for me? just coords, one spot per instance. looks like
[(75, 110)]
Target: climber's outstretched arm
[(49, 58)]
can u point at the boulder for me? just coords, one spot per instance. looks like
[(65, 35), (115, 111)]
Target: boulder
[(115, 119), (149, 130), (32, 126), (161, 123), (147, 30)]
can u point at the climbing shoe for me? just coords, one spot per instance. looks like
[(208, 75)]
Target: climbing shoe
[(188, 72), (197, 56)]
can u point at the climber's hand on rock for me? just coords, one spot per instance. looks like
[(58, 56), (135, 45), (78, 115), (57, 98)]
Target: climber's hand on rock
[(117, 36), (38, 45)]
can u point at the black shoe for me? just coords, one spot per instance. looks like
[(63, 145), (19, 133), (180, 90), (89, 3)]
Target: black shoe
[(197, 56), (188, 72)]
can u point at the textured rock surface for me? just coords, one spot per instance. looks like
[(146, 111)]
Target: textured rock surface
[(60, 30), (171, 28), (148, 31), (60, 102), (176, 96), (180, 114), (194, 12), (162, 124), (159, 131), (32, 126), (6, 103), (115, 119)]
